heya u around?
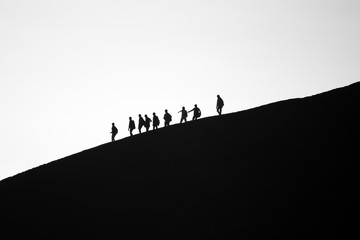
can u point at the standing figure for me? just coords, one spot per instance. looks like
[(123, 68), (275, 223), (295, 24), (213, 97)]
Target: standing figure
[(197, 112), (147, 122), (113, 132), (156, 121), (183, 114), (131, 126), (141, 123), (167, 118), (219, 104)]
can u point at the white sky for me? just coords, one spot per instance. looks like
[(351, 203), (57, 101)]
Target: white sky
[(68, 69)]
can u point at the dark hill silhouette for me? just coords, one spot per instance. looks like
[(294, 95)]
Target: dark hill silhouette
[(284, 170)]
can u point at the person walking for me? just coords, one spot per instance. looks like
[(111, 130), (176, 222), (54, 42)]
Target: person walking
[(141, 123), (197, 112), (113, 132), (147, 122), (156, 121), (131, 126), (167, 118), (219, 104), (183, 114)]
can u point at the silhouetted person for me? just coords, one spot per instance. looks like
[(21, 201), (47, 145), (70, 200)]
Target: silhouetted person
[(141, 123), (219, 104), (156, 121), (183, 114), (197, 112), (113, 132), (167, 118), (147, 122), (131, 125)]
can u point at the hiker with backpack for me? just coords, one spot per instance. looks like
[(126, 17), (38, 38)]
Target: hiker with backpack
[(167, 118), (147, 122), (141, 123), (113, 132), (131, 126), (219, 104), (197, 112), (156, 121), (183, 114)]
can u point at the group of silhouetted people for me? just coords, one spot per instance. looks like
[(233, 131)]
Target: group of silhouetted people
[(167, 119), (144, 123)]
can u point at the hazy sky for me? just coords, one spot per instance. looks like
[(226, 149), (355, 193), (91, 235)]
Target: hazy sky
[(68, 69)]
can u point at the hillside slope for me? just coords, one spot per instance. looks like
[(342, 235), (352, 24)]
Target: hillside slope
[(283, 170)]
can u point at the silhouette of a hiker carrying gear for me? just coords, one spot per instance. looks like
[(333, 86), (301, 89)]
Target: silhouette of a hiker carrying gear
[(113, 132), (131, 126), (167, 118), (141, 123), (147, 122), (219, 104), (156, 121), (197, 112), (183, 114)]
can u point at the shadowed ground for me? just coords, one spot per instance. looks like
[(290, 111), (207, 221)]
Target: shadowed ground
[(284, 170)]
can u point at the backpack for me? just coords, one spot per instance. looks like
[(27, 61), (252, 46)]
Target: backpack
[(167, 117), (198, 113), (221, 103), (156, 121), (132, 124), (141, 123)]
